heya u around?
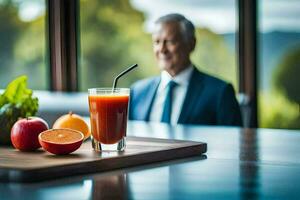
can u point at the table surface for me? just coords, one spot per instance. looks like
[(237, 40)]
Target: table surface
[(239, 164)]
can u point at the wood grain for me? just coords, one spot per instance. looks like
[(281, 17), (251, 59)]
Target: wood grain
[(16, 166)]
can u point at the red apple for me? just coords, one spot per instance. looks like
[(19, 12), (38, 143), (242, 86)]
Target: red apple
[(24, 133)]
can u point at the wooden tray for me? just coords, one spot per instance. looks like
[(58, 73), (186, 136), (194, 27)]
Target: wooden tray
[(16, 166)]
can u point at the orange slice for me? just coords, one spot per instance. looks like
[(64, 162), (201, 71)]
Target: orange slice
[(61, 141), (73, 121)]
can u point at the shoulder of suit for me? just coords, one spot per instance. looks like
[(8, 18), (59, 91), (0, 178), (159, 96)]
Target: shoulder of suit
[(147, 82), (212, 80)]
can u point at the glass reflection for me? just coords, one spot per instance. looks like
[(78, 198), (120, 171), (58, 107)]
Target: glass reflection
[(249, 169), (69, 188), (110, 187)]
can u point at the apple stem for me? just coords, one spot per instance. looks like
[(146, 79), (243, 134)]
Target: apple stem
[(70, 113)]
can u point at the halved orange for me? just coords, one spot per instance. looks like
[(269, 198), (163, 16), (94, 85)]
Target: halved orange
[(73, 121), (61, 141)]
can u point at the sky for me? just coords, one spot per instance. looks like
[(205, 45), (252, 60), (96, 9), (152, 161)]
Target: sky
[(221, 15), (31, 9), (218, 15)]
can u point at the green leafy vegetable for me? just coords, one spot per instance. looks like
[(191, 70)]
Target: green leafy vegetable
[(16, 102)]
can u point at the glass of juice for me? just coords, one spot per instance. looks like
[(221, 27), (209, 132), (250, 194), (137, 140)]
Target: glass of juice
[(108, 116)]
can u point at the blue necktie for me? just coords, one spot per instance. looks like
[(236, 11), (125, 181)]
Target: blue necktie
[(166, 116)]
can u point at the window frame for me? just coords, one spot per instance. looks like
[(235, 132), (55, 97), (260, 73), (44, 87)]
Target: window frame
[(63, 44)]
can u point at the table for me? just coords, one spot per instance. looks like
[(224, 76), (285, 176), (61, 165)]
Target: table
[(239, 164)]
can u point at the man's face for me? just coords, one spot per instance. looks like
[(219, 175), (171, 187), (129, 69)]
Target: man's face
[(170, 49)]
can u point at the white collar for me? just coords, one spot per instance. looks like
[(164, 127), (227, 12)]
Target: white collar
[(181, 79)]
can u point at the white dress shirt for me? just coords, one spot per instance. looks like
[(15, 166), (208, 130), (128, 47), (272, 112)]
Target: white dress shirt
[(179, 92)]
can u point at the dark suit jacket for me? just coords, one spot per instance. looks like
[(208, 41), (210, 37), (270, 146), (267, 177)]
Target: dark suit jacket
[(208, 101)]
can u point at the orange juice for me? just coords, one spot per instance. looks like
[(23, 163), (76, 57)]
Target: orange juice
[(108, 115)]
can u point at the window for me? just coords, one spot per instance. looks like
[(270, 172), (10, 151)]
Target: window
[(22, 42), (111, 40), (116, 34), (279, 94)]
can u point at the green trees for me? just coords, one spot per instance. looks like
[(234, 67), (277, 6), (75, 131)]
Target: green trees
[(112, 39), (22, 46), (280, 106), (286, 77), (9, 33)]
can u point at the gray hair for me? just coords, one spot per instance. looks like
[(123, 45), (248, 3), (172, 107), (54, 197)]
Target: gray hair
[(187, 27)]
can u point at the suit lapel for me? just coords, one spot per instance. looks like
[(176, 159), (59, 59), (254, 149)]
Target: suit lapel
[(151, 92), (193, 92)]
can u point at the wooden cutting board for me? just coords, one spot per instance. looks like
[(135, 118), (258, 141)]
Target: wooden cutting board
[(16, 166)]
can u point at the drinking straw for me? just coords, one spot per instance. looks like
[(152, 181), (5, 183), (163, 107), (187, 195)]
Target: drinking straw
[(121, 74)]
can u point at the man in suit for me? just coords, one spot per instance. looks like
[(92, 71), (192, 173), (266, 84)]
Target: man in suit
[(181, 94)]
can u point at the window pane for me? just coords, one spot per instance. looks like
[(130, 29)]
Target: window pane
[(279, 91), (22, 42), (116, 34)]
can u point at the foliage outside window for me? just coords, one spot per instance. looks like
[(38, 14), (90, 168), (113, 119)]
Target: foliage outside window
[(279, 91), (22, 42)]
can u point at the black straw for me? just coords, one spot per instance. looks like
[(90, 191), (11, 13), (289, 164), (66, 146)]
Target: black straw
[(121, 74)]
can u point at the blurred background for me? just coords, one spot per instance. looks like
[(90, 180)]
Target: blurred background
[(117, 33)]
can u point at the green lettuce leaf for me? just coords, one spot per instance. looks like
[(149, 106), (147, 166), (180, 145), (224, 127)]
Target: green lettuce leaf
[(16, 102), (19, 95)]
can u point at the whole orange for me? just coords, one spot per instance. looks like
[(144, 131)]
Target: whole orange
[(73, 121)]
